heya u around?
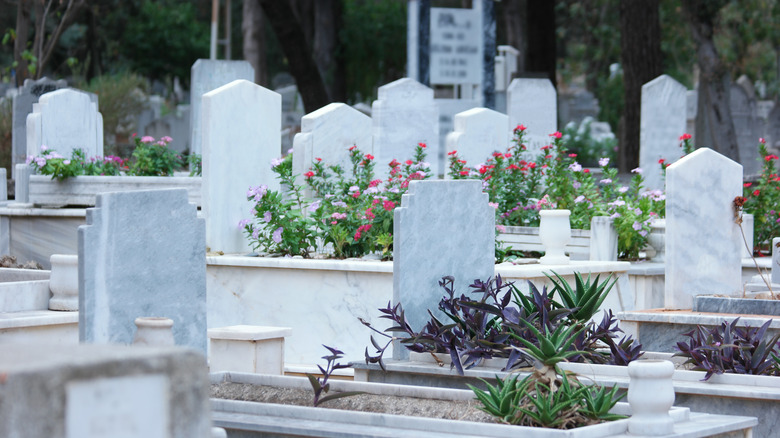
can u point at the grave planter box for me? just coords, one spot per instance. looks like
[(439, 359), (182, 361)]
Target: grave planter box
[(527, 239), (23, 289), (722, 394), (323, 299), (252, 419), (82, 190)]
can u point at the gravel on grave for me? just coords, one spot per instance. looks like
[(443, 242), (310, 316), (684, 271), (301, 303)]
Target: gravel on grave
[(416, 407)]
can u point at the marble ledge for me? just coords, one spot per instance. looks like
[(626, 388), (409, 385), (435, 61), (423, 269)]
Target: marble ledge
[(763, 262), (43, 212), (249, 261), (34, 318), (538, 270), (693, 318), (647, 268), (249, 333)]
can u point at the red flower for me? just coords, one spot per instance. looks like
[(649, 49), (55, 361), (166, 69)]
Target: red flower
[(748, 184), (308, 174), (464, 172), (394, 163), (513, 167), (497, 154), (374, 183), (318, 159), (422, 145), (356, 195), (661, 161), (507, 155), (483, 169), (520, 128), (586, 170), (352, 148), (452, 152), (389, 205), (685, 136), (369, 157), (556, 134), (756, 192), (544, 148), (572, 155), (762, 140), (532, 165), (462, 161), (770, 157), (409, 162)]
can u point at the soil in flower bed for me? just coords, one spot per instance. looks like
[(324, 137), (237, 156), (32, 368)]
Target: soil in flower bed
[(8, 261), (415, 407)]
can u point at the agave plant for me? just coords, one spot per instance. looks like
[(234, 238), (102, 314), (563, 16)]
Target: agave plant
[(586, 296), (502, 400)]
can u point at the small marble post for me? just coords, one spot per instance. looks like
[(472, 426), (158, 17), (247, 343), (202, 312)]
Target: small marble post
[(651, 395), (603, 239), (22, 185), (748, 228)]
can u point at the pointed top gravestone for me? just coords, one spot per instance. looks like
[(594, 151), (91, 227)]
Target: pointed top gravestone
[(441, 228), (533, 103), (142, 253), (478, 133), (207, 75), (663, 121), (703, 242), (328, 133), (23, 102), (404, 115), (64, 120), (241, 123)]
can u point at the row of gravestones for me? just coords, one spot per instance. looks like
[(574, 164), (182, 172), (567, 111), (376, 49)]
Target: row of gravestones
[(669, 109), (142, 253)]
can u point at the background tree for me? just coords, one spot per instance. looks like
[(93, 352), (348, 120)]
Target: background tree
[(640, 36)]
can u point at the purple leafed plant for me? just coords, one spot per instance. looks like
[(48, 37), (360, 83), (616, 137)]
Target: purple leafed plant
[(730, 349), (321, 385)]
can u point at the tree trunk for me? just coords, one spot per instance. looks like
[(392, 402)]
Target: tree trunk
[(640, 33), (20, 43), (540, 53), (327, 22), (253, 30), (714, 82), (293, 42), (515, 27)]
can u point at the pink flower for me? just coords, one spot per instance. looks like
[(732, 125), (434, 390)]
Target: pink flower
[(147, 139), (277, 236), (388, 205), (243, 223), (556, 134), (520, 128), (166, 139)]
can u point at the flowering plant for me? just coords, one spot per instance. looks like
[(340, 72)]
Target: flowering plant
[(555, 179), (153, 157), (50, 162), (351, 214), (763, 200)]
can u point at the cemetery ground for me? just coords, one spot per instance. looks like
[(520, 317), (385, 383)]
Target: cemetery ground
[(258, 305)]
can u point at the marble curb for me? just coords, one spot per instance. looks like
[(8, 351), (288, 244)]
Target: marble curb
[(749, 306)]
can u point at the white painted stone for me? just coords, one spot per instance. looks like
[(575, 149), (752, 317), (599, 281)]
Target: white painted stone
[(776, 260), (248, 349), (533, 103), (328, 133), (119, 407), (65, 120), (448, 108), (703, 243), (142, 253), (241, 122), (478, 133), (431, 241), (404, 115), (748, 227), (663, 121), (207, 75)]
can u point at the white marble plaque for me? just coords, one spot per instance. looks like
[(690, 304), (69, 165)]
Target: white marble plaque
[(456, 46), (122, 407)]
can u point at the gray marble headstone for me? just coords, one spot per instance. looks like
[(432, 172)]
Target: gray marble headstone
[(65, 120), (703, 243), (478, 133), (23, 102), (142, 253), (328, 133), (207, 75), (773, 129), (776, 260), (404, 115), (175, 125), (241, 122), (448, 108), (691, 110), (663, 120), (533, 103), (745, 117), (442, 228)]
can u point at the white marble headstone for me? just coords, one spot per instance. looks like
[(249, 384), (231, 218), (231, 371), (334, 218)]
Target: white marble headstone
[(207, 75), (776, 260), (328, 133), (663, 121), (533, 103), (142, 253), (23, 102), (404, 115), (478, 133), (241, 123), (448, 108), (703, 242), (65, 120), (744, 113), (442, 228)]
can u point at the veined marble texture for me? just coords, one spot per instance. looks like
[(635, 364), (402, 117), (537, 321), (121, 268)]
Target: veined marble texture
[(703, 243), (37, 237), (64, 120), (241, 124), (207, 75), (404, 115), (328, 133), (82, 190), (775, 260), (663, 121)]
